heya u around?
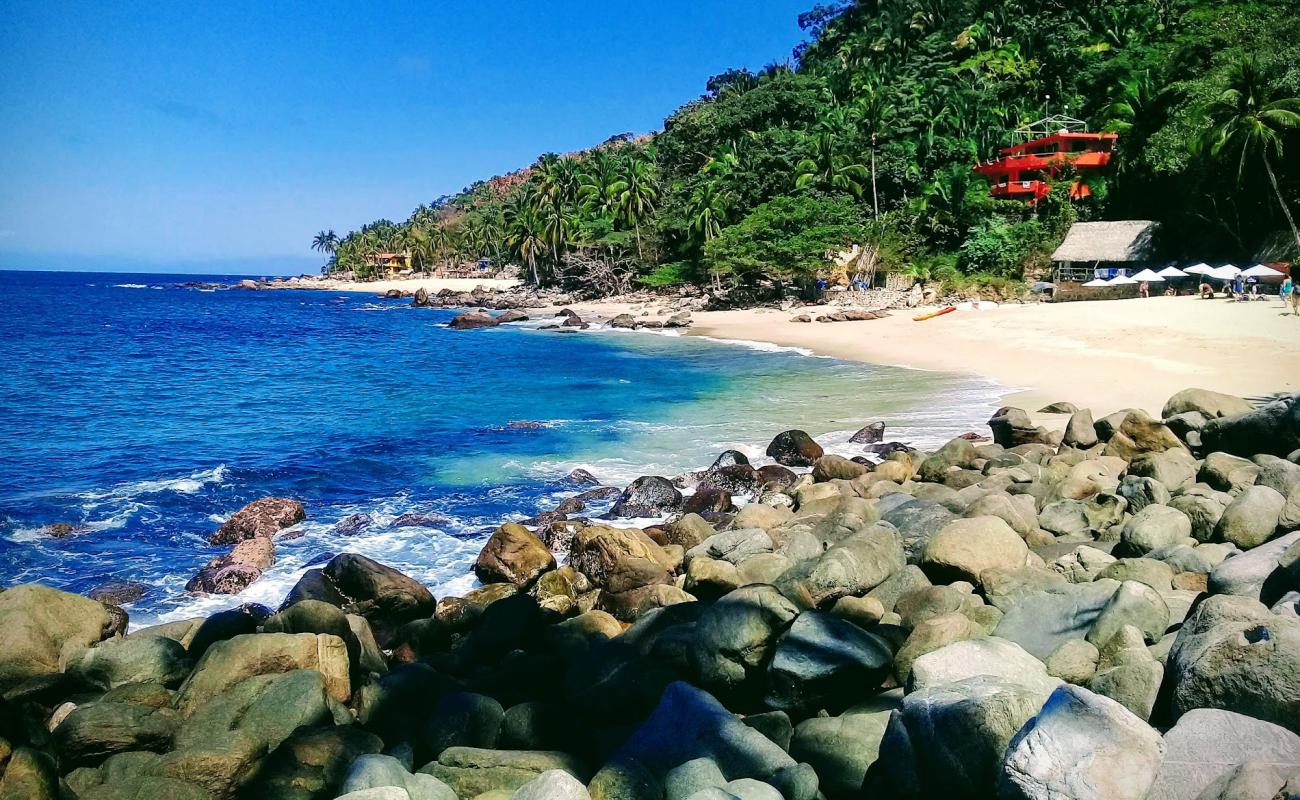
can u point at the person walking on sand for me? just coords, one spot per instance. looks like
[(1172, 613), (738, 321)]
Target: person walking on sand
[(1291, 293), (1144, 289)]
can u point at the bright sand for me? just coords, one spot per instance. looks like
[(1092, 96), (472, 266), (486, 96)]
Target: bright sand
[(1104, 355)]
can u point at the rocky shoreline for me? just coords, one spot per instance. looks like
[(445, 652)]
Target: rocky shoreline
[(1111, 611)]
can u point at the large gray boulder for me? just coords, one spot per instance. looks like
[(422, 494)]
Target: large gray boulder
[(552, 785), (1257, 573), (95, 731), (1204, 507), (1231, 653), (794, 448), (689, 724), (375, 771), (1211, 404), (733, 637), (513, 554), (1207, 743), (117, 662), (1135, 604), (917, 521), (1273, 428), (854, 566), (41, 626), (1127, 672), (1041, 622), (967, 547), (825, 662), (471, 771), (462, 719), (1252, 517), (948, 740), (1082, 746), (1152, 528), (841, 749), (227, 663), (1228, 473), (991, 656)]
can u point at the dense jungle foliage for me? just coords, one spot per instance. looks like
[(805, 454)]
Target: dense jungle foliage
[(867, 136)]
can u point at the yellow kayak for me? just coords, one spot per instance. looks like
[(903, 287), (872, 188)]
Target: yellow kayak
[(933, 314)]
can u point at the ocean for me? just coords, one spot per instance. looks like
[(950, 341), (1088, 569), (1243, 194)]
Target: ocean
[(144, 411)]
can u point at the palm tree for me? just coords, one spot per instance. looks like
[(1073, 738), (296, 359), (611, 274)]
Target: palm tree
[(828, 170), (525, 236), (1250, 118), (636, 194), (325, 242)]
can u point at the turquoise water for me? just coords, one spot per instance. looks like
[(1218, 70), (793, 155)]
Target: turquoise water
[(145, 412)]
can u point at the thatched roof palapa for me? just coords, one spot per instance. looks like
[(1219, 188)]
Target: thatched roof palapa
[(1123, 241)]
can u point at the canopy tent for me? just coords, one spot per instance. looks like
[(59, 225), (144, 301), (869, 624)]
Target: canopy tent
[(1120, 280), (1148, 275), (1225, 273), (1097, 282), (1200, 269), (1172, 272), (1262, 271)]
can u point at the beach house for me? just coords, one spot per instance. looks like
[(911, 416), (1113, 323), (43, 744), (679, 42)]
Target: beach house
[(1051, 145), (1102, 250)]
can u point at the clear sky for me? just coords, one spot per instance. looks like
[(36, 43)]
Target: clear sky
[(189, 136)]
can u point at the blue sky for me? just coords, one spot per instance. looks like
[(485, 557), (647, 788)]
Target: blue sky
[(193, 136)]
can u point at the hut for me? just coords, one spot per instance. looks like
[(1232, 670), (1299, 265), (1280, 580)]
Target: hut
[(1103, 250)]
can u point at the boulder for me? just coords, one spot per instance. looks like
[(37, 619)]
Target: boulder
[(1231, 653), (1273, 428), (1127, 672), (948, 740), (1276, 473), (917, 521), (1228, 473), (841, 749), (361, 586), (40, 627), (259, 519), (1134, 604), (1257, 573), (988, 656), (833, 467), (1173, 468), (1141, 492), (966, 547), (1083, 564), (513, 554), (117, 662), (856, 565), (227, 663), (471, 320), (375, 771), (118, 593), (1075, 661), (733, 637), (1082, 746), (794, 448), (95, 731), (931, 635), (618, 559), (708, 500), (1204, 509), (462, 719), (1208, 743), (824, 662), (689, 724), (734, 545), (1251, 518), (311, 763), (1012, 427), (1139, 434), (870, 434), (1152, 528), (1210, 404), (647, 496), (1043, 621), (470, 771), (552, 785), (1080, 431), (29, 775), (235, 571)]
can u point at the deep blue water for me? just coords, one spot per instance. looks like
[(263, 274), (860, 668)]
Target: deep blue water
[(145, 413)]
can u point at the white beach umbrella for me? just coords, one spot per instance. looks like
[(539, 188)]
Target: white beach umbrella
[(1262, 271), (1172, 272), (1200, 269), (1148, 275), (1097, 282), (1226, 272), (1120, 280)]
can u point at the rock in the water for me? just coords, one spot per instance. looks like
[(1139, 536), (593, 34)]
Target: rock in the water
[(794, 448), (513, 554), (871, 434), (647, 496), (833, 467), (118, 593), (473, 319), (261, 518), (1082, 746), (824, 662), (235, 571), (40, 626), (361, 586), (1208, 743)]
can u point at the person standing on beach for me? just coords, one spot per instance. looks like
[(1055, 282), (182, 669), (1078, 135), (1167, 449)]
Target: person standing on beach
[(1144, 289)]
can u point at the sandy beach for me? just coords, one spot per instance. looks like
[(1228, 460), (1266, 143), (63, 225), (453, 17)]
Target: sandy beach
[(1105, 355)]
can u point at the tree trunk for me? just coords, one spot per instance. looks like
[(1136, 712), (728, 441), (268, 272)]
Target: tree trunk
[(1280, 201), (875, 199)]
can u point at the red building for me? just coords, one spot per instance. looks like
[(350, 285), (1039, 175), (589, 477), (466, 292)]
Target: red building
[(1025, 171)]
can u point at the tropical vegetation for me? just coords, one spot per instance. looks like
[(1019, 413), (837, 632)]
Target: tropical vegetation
[(867, 134)]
